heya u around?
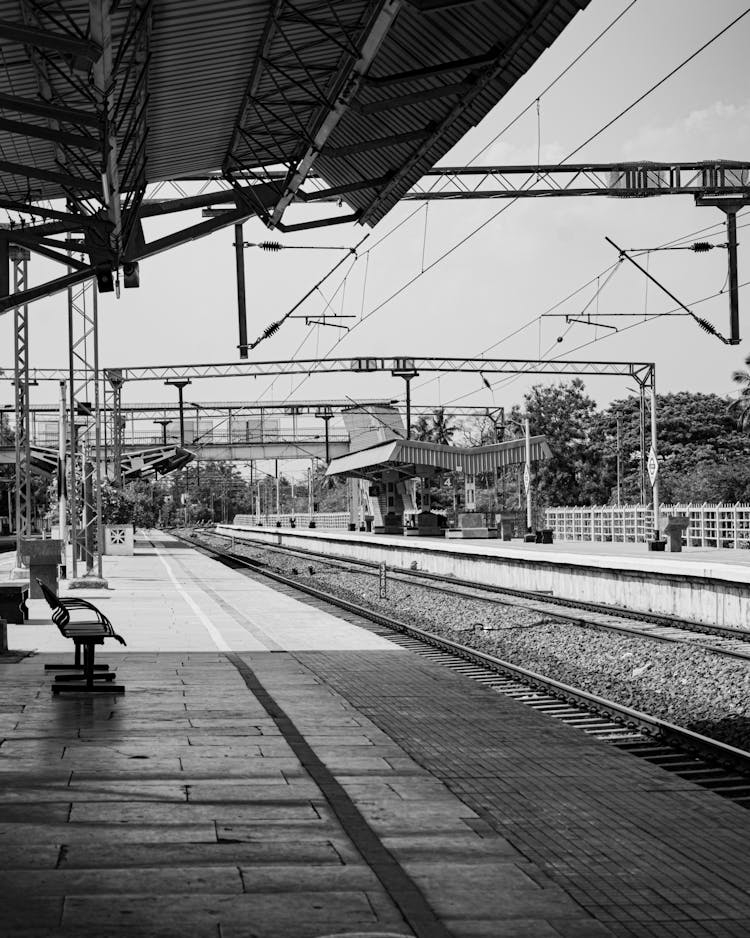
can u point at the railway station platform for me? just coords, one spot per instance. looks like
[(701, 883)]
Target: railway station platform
[(277, 770), (706, 586)]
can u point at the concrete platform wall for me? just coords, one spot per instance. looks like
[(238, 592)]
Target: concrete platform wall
[(715, 594)]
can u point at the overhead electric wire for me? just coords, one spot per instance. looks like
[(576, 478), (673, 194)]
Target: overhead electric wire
[(511, 202), (657, 84), (520, 114), (652, 316)]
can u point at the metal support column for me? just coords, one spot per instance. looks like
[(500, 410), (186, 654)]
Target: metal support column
[(527, 474), (85, 428), (642, 439), (655, 452), (730, 205), (113, 411), (20, 259), (326, 414), (62, 489), (241, 299), (407, 375)]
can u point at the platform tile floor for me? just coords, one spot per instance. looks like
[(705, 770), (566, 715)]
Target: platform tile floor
[(180, 808)]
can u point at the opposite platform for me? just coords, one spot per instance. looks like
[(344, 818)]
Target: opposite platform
[(286, 772), (711, 587)]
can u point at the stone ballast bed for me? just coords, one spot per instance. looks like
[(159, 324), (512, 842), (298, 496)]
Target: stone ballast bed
[(703, 691)]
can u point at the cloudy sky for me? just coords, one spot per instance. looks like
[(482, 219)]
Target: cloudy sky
[(516, 261)]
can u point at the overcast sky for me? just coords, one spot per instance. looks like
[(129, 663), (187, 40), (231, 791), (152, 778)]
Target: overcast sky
[(486, 296)]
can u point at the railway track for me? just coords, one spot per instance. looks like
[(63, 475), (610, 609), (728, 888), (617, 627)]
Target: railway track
[(662, 628), (711, 764)]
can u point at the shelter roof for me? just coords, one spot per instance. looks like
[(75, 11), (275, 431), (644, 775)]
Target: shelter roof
[(98, 99), (415, 457)]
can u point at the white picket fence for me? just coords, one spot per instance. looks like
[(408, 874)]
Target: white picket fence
[(302, 519), (710, 525)]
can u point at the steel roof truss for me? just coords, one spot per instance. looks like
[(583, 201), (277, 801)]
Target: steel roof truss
[(414, 97), (310, 94), (81, 50), (23, 128)]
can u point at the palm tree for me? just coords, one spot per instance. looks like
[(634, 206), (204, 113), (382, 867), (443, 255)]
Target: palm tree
[(441, 430), (421, 429), (742, 404)]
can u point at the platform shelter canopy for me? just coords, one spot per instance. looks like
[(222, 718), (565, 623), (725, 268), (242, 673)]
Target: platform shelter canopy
[(100, 99), (415, 458)]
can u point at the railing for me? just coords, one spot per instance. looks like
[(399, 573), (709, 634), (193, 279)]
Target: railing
[(710, 525), (216, 438), (301, 519)]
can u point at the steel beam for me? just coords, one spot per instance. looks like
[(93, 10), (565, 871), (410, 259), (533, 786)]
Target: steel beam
[(58, 112), (83, 50), (640, 371)]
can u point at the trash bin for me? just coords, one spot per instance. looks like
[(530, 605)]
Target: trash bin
[(13, 598), (674, 529), (42, 557)]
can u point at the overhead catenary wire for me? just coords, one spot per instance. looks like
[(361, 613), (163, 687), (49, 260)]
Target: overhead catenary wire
[(703, 323), (479, 153), (506, 206), (572, 153), (274, 327)]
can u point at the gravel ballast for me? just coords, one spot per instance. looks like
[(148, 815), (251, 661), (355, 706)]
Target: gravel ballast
[(698, 689)]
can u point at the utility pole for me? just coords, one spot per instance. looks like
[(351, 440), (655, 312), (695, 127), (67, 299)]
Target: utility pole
[(163, 422), (617, 444), (527, 473), (180, 384), (407, 373), (730, 205), (653, 456), (62, 496)]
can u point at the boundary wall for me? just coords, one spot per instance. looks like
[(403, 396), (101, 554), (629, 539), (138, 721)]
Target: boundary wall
[(702, 591), (711, 525)]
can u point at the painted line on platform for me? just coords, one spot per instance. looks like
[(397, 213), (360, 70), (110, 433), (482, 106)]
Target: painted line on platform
[(216, 637)]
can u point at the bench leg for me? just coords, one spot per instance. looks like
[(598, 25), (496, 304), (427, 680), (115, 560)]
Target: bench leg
[(76, 666), (89, 650)]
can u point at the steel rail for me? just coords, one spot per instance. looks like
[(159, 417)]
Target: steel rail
[(662, 620), (714, 750)]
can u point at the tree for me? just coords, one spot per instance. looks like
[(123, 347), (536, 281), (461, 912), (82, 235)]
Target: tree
[(742, 405), (421, 429), (441, 430), (564, 413)]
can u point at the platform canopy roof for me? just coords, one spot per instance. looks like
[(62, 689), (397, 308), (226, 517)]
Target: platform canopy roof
[(100, 98), (159, 460), (412, 458)]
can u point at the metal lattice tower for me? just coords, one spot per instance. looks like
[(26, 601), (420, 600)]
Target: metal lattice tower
[(20, 260), (85, 434), (114, 423)]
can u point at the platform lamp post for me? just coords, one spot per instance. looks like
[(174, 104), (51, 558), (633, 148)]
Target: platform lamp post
[(180, 384), (164, 422), (326, 414), (527, 466), (407, 372)]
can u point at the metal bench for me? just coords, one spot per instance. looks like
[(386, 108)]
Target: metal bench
[(87, 628)]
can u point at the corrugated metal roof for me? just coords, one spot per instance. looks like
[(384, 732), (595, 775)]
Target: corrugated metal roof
[(204, 55), (413, 455)]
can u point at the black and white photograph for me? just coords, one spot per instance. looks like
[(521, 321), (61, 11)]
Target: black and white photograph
[(374, 469)]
